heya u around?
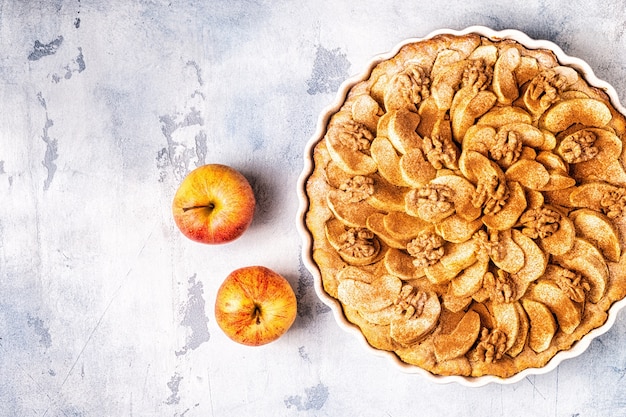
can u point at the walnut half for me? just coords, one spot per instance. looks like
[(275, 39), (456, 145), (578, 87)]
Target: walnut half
[(426, 249)]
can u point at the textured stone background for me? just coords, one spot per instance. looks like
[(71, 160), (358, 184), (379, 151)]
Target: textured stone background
[(106, 310)]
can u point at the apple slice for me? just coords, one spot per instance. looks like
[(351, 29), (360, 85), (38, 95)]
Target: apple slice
[(365, 110), (455, 304), (377, 336), (459, 107), (388, 161), (522, 336), (382, 128), (430, 114), (415, 169), (334, 230), (437, 273), (460, 340), (503, 115), (463, 193), (369, 297), (543, 326), (456, 229), (508, 320), (531, 174), (562, 240), (559, 180), (534, 199), (590, 194), (400, 264), (527, 69), (480, 139), (403, 226), (445, 83), (401, 130), (468, 282), (476, 167), (353, 214), (336, 176), (599, 230), (458, 256), (375, 223), (613, 172), (568, 315), (350, 272), (535, 261), (513, 260), (407, 331), (487, 53), (386, 196), (446, 58), (570, 94), (382, 317), (504, 81), (508, 215), (549, 140), (552, 161), (486, 318), (467, 106), (585, 111), (529, 135), (586, 259)]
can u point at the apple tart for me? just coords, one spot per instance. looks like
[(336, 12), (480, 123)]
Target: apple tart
[(466, 205)]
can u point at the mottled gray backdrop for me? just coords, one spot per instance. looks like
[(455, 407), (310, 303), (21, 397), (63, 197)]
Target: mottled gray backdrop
[(106, 310)]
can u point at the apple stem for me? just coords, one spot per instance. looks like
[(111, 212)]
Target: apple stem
[(209, 206), (257, 313)]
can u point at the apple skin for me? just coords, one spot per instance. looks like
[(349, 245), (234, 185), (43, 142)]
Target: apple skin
[(255, 306), (214, 204)]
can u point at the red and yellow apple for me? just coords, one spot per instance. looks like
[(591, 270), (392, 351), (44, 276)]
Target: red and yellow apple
[(214, 204), (255, 305)]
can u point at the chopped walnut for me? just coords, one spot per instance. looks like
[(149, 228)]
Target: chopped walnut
[(491, 194), (540, 222), (572, 284), (357, 188), (477, 75), (507, 149), (410, 301), (426, 248), (353, 135), (500, 286), (432, 200), (578, 147), (441, 151), (546, 87), (358, 243), (491, 345), (412, 83), (613, 203), (488, 245)]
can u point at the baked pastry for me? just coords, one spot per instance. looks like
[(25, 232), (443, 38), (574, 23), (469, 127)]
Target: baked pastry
[(467, 203)]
